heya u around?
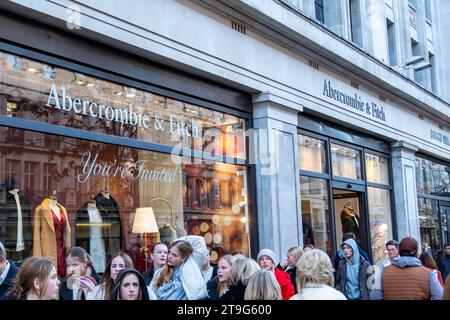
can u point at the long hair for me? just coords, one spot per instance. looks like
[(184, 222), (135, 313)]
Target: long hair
[(166, 273), (263, 286), (428, 261), (242, 270), (32, 268), (314, 266), (108, 283), (223, 286)]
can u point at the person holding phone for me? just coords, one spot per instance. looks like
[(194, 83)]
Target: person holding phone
[(81, 276)]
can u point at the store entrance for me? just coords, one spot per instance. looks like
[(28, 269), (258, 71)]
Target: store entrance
[(349, 213)]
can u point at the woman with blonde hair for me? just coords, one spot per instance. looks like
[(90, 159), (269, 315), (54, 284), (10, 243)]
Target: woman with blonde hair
[(293, 255), (218, 285), (315, 277), (36, 280), (104, 290), (263, 286), (240, 274)]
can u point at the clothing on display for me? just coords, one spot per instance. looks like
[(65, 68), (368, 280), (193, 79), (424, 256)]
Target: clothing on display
[(15, 224), (350, 220), (52, 235), (110, 214), (91, 232)]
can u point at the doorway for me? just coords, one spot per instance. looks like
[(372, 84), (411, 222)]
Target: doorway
[(349, 214)]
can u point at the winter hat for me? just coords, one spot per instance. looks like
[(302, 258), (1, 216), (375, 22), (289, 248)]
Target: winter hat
[(269, 253), (408, 247)]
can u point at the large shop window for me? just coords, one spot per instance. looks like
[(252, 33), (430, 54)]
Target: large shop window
[(57, 192), (433, 189), (315, 213), (36, 91), (116, 181)]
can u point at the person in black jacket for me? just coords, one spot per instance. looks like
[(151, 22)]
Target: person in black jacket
[(81, 276), (159, 258), (241, 271), (8, 273)]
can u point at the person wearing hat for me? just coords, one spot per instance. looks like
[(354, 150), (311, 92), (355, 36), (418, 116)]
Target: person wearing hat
[(129, 285), (406, 278), (267, 260), (8, 273)]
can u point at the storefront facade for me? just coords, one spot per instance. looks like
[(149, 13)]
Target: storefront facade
[(91, 138), (299, 142)]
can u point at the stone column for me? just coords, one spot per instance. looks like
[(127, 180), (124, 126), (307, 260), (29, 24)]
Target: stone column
[(277, 178), (405, 193)]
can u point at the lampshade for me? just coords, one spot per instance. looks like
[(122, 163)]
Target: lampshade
[(144, 221)]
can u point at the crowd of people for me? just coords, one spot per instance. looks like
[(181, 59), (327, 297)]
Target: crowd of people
[(183, 271)]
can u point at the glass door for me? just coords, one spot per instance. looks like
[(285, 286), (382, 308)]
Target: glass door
[(349, 212)]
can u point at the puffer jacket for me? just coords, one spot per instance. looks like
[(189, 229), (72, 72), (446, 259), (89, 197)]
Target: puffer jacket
[(284, 280)]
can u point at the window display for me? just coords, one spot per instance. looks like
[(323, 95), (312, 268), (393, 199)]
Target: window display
[(99, 186), (188, 196)]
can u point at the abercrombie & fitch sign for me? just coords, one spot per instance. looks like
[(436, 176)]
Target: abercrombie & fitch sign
[(63, 101), (354, 101)]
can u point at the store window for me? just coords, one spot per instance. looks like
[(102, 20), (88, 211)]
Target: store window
[(430, 231), (313, 154), (380, 221), (118, 180), (432, 177), (188, 195), (315, 213), (346, 162), (37, 91), (433, 190), (377, 169)]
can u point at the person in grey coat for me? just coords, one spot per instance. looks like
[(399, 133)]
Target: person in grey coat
[(351, 275)]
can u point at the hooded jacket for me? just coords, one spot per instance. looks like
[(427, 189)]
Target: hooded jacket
[(122, 273), (403, 262), (351, 275), (8, 282)]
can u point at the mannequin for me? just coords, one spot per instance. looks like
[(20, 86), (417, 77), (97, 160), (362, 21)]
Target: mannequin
[(350, 220), (92, 238), (110, 214), (15, 223), (52, 233)]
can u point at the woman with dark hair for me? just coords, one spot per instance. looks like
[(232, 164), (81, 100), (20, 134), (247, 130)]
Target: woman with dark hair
[(36, 280), (81, 276), (429, 263), (129, 285), (446, 295), (181, 278), (117, 262)]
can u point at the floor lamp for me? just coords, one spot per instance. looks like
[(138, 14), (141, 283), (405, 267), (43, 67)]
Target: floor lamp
[(144, 222)]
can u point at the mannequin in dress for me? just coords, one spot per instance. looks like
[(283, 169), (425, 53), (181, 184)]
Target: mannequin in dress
[(15, 223), (52, 233)]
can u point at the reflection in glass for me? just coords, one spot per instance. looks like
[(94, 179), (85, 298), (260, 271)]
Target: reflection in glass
[(377, 169), (312, 154), (124, 179), (432, 177), (315, 213), (346, 162), (92, 104), (380, 220), (430, 231)]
